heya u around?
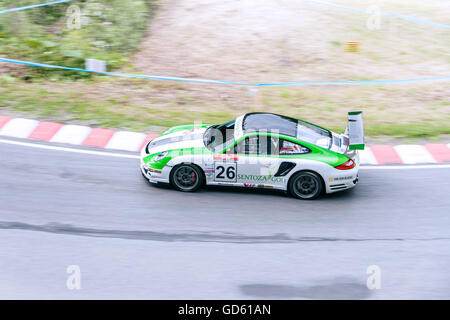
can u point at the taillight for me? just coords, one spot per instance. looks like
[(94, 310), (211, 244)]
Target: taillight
[(350, 164)]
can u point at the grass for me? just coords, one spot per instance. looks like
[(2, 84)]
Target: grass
[(110, 30), (61, 103), (69, 106)]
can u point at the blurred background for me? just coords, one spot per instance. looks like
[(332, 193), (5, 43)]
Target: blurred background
[(247, 41)]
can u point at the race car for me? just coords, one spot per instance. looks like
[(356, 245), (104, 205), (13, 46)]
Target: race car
[(257, 150)]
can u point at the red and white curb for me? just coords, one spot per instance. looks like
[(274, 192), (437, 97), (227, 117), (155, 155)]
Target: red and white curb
[(133, 141), (73, 134)]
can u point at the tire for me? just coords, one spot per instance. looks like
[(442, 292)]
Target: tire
[(186, 177), (305, 185)]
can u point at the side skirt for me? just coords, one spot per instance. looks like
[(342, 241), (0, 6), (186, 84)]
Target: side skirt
[(246, 185)]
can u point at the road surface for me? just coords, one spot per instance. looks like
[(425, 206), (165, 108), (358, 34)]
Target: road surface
[(132, 240)]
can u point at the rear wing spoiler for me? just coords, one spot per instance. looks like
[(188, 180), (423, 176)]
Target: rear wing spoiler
[(355, 130)]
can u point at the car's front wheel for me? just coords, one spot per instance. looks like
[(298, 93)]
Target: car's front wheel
[(306, 185), (186, 177)]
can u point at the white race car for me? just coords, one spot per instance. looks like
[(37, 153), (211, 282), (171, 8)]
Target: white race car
[(257, 150)]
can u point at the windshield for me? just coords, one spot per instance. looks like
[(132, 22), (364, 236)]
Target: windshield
[(218, 137)]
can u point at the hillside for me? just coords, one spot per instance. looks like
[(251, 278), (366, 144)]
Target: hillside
[(270, 41)]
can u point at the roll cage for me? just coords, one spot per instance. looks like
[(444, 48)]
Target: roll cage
[(233, 147)]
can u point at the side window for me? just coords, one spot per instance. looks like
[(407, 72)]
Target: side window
[(288, 148), (267, 145), (253, 145)]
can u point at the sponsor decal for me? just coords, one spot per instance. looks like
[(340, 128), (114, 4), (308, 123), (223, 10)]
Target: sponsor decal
[(270, 170), (225, 156), (254, 177), (250, 185), (209, 172), (341, 178)]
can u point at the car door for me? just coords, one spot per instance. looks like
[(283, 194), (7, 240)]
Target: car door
[(257, 162)]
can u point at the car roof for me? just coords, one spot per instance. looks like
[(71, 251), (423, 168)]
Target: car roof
[(271, 122)]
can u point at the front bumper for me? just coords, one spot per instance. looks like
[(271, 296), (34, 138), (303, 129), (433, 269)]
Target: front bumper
[(155, 175), (145, 171)]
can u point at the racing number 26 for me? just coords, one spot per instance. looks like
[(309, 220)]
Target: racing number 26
[(225, 172)]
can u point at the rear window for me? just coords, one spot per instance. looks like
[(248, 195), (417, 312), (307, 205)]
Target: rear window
[(313, 134)]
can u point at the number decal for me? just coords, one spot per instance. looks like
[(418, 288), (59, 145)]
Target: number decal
[(220, 174), (225, 171), (231, 173)]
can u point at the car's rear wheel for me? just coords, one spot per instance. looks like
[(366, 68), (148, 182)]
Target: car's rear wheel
[(306, 185), (186, 177)]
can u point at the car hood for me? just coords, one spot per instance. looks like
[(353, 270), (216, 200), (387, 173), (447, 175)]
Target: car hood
[(190, 138)]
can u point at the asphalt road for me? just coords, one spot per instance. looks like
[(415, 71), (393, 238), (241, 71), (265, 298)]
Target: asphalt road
[(133, 240)]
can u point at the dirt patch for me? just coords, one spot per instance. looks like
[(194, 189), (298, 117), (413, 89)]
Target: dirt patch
[(275, 41), (10, 68)]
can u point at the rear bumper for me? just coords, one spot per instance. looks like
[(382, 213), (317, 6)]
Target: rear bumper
[(342, 179), (339, 185)]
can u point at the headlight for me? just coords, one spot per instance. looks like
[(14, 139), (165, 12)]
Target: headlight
[(160, 156)]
